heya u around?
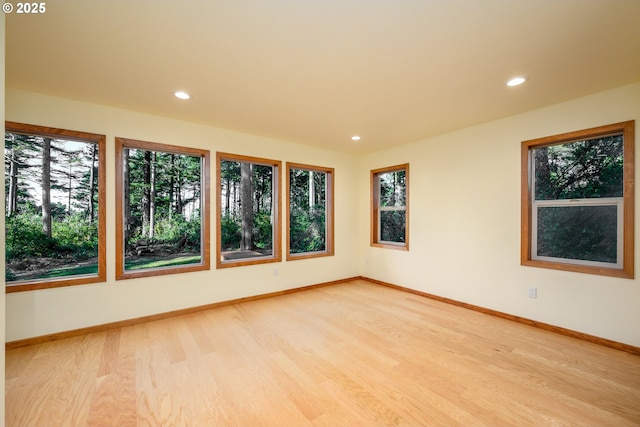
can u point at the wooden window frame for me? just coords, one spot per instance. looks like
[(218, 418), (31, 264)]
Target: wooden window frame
[(277, 226), (526, 259), (100, 140), (205, 264), (329, 212), (375, 207)]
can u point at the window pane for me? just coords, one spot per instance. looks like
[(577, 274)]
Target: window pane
[(392, 226), (307, 218), (575, 190), (246, 210), (587, 233), (162, 209), (580, 170), (51, 207), (393, 188), (389, 205)]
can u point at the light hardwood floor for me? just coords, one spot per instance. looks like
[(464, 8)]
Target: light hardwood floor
[(352, 354)]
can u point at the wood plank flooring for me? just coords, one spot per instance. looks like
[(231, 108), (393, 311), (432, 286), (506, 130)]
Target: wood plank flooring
[(352, 354)]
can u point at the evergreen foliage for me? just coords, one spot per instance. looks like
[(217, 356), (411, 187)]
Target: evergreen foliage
[(49, 222), (577, 171), (164, 216), (393, 194), (247, 207), (307, 213)]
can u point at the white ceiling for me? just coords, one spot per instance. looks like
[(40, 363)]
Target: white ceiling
[(319, 71)]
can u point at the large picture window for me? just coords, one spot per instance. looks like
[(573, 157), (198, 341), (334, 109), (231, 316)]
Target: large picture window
[(310, 211), (248, 217), (162, 206), (578, 201), (54, 207), (390, 207)]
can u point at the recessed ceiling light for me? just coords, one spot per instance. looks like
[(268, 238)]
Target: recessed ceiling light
[(182, 95), (355, 138), (516, 81)]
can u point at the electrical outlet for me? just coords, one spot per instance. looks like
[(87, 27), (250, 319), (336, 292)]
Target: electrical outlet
[(533, 292), (275, 272)]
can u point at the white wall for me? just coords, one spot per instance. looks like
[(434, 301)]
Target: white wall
[(35, 313), (465, 223)]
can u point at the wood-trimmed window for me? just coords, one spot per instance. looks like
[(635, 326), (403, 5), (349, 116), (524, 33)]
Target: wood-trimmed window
[(309, 209), (390, 207), (55, 207), (248, 218), (577, 204), (162, 209)]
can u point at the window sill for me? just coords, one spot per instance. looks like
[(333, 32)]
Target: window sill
[(390, 246), (601, 271)]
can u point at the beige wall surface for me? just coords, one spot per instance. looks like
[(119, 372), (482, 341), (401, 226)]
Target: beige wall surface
[(2, 249), (465, 223), (41, 312)]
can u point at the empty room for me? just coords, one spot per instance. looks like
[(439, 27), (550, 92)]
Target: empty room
[(320, 213)]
